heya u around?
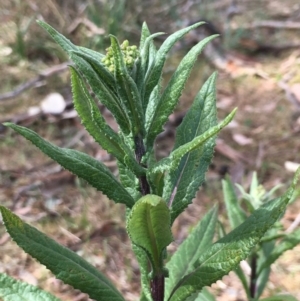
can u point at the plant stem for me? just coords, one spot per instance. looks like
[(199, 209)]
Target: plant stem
[(253, 276), (158, 287), (139, 153)]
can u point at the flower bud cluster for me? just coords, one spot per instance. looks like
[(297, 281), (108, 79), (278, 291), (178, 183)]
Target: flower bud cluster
[(130, 54)]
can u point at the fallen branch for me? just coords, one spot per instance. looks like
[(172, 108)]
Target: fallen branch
[(35, 82), (274, 24)]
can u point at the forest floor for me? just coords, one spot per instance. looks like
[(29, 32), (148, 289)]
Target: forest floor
[(264, 137)]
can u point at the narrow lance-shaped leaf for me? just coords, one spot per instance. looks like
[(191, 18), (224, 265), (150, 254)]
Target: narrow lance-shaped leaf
[(63, 42), (173, 91), (182, 183), (171, 163), (204, 295), (127, 90), (147, 60), (103, 93), (92, 53), (97, 126), (235, 212), (14, 290), (161, 55), (198, 241), (146, 230), (63, 263), (107, 79), (84, 166), (143, 261), (287, 243), (225, 254)]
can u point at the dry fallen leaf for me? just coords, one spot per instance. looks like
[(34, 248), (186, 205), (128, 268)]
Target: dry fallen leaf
[(241, 139)]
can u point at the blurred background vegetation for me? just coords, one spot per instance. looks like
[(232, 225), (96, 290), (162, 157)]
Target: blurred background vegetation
[(258, 59)]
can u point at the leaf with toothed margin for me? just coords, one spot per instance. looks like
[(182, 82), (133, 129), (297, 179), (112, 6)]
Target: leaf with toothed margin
[(127, 90), (96, 125), (104, 93), (82, 165), (14, 290), (182, 183), (107, 79), (160, 58), (197, 242), (172, 161), (62, 262), (61, 40), (170, 97), (226, 253)]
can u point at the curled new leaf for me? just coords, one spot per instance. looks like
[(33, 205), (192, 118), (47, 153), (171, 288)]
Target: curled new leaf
[(148, 226)]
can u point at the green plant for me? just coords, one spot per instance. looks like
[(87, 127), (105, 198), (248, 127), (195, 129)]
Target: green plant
[(154, 191), (271, 246)]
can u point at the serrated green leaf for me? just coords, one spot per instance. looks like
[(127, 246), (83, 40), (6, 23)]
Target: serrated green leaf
[(84, 166), (129, 181), (107, 79), (183, 260), (97, 126), (14, 290), (160, 58), (204, 295), (145, 33), (92, 53), (103, 93), (63, 263), (146, 230), (61, 40), (182, 184), (128, 90), (235, 212), (143, 261), (226, 253), (172, 93), (171, 163), (287, 243)]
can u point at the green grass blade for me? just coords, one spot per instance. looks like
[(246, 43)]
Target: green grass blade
[(183, 183), (84, 166), (128, 90), (63, 263), (235, 212), (104, 93), (146, 230), (226, 253), (183, 260), (97, 126), (161, 55), (173, 91), (14, 290)]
